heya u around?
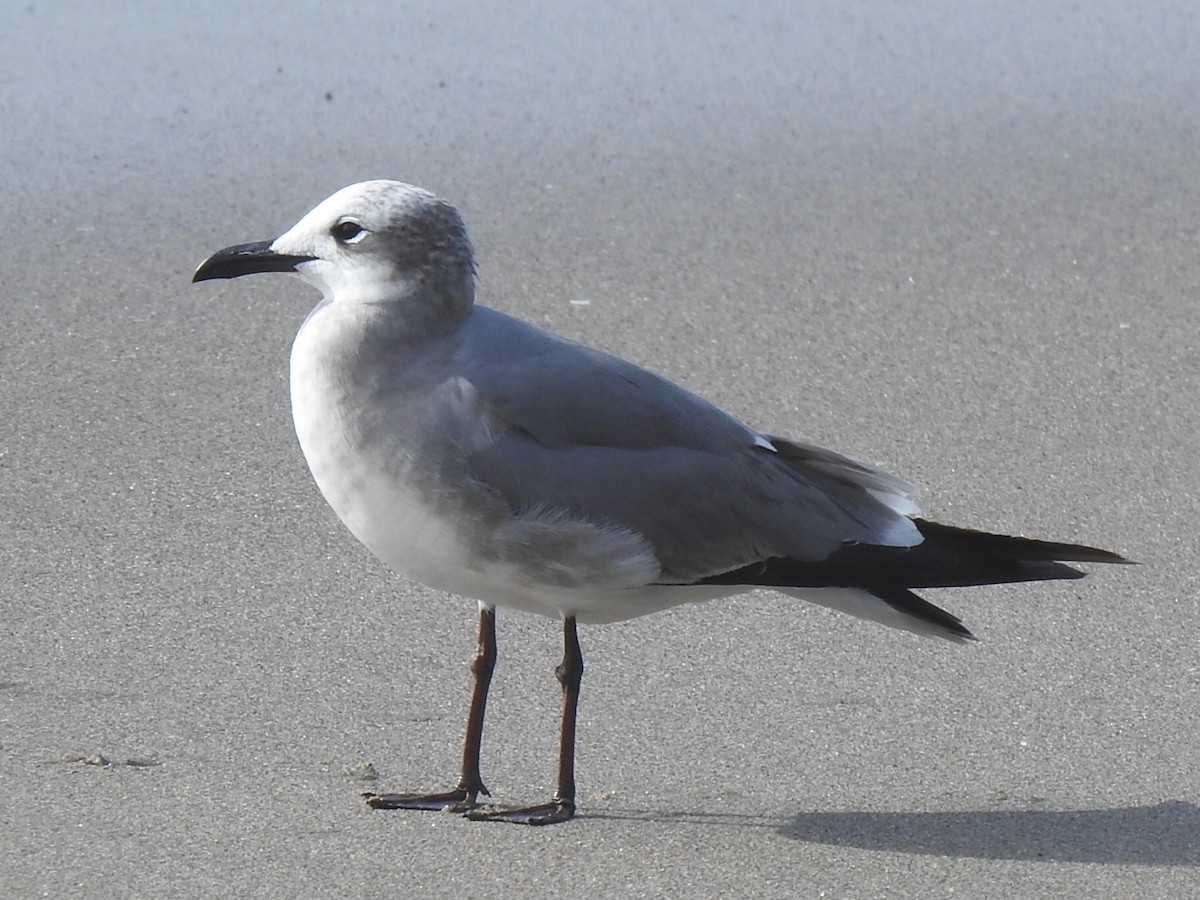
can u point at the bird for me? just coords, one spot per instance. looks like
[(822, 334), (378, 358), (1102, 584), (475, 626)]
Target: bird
[(485, 457)]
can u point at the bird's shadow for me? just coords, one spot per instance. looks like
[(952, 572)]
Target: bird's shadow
[(1167, 834)]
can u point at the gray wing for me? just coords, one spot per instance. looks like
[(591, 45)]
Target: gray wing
[(563, 394), (579, 431)]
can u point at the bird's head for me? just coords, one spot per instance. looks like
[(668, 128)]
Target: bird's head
[(372, 242)]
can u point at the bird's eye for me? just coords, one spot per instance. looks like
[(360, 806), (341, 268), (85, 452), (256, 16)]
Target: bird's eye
[(347, 231)]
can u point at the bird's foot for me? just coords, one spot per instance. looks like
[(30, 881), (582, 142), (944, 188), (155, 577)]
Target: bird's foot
[(459, 800), (544, 814)]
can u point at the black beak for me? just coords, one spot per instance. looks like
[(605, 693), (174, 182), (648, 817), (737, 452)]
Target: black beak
[(247, 259)]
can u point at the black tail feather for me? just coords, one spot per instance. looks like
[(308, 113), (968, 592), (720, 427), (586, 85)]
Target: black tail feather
[(948, 557)]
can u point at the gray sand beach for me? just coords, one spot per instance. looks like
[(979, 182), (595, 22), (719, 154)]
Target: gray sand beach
[(961, 244)]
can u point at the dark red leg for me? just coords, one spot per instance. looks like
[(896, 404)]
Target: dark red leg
[(465, 795), (562, 805)]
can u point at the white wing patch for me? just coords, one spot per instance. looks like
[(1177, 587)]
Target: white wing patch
[(762, 441)]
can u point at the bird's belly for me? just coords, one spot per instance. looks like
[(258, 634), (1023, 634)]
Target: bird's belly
[(375, 499), (371, 489), (393, 481), (411, 537)]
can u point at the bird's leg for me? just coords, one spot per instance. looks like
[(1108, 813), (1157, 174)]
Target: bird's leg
[(562, 805), (470, 784)]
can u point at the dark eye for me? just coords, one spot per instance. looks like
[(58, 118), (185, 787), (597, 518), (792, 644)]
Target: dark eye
[(347, 231)]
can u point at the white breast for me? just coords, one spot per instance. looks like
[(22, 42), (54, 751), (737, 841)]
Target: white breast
[(361, 463), (389, 457)]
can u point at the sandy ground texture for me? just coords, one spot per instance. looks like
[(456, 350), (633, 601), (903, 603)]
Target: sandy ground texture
[(957, 240)]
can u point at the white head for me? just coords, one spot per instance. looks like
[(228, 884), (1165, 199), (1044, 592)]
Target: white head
[(373, 242)]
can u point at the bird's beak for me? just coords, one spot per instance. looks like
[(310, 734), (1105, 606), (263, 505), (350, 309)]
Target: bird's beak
[(247, 259)]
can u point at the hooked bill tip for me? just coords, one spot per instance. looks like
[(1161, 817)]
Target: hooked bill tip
[(246, 259)]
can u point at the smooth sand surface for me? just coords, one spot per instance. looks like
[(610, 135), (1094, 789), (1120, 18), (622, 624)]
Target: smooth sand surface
[(959, 241)]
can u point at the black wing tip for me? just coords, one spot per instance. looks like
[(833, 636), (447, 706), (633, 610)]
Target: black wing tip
[(944, 624), (1019, 547), (958, 632)]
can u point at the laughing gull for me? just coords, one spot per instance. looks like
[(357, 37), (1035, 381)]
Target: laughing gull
[(483, 456)]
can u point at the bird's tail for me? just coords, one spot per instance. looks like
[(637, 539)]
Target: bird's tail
[(874, 582)]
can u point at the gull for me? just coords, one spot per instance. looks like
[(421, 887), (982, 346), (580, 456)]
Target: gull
[(485, 457)]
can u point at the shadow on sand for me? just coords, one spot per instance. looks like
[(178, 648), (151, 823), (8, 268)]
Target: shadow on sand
[(1164, 835)]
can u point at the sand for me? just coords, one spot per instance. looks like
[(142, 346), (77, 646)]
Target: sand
[(958, 243)]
